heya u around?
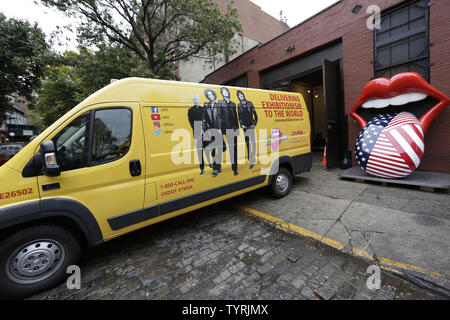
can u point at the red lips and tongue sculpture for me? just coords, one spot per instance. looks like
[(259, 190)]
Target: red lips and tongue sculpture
[(391, 145)]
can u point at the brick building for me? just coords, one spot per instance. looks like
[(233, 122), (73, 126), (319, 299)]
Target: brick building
[(16, 128), (257, 27), (331, 56)]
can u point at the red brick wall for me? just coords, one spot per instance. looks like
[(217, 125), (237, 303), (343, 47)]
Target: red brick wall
[(358, 52), (256, 24), (437, 152), (339, 22)]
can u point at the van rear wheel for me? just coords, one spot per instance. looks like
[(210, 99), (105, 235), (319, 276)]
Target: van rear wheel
[(281, 183), (35, 259)]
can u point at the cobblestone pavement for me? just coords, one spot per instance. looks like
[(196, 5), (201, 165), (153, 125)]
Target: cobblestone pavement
[(221, 253)]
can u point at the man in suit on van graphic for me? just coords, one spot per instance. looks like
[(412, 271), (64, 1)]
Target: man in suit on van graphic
[(230, 126), (195, 116), (212, 127), (248, 120)]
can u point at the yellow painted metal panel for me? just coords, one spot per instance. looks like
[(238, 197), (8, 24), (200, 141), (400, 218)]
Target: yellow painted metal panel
[(163, 142)]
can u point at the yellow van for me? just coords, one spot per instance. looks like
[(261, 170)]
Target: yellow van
[(135, 153)]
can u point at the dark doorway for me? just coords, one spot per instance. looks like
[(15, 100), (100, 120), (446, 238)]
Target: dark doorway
[(311, 87), (331, 88), (321, 89), (318, 77)]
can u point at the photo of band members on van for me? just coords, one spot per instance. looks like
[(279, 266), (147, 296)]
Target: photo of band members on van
[(216, 129)]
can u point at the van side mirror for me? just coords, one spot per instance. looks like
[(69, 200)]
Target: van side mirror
[(50, 164)]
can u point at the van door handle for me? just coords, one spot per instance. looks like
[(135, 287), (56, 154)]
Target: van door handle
[(135, 168), (51, 186)]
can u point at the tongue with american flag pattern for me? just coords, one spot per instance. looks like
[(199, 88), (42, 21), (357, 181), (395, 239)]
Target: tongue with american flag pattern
[(394, 115), (390, 146)]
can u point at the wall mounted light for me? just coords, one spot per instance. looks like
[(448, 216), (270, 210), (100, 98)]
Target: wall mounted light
[(356, 9), (290, 48)]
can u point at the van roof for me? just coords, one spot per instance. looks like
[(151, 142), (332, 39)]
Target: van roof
[(125, 90), (131, 89)]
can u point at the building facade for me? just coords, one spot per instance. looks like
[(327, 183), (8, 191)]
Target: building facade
[(17, 128), (257, 27), (330, 57)]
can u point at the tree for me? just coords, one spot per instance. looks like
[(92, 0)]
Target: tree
[(22, 55), (73, 76), (159, 32), (95, 69), (58, 94)]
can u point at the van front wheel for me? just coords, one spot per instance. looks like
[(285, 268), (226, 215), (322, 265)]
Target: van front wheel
[(35, 259), (281, 183)]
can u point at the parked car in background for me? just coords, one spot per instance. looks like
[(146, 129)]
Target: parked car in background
[(2, 160), (9, 150)]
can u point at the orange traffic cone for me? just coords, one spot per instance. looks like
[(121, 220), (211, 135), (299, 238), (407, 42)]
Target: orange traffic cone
[(324, 161)]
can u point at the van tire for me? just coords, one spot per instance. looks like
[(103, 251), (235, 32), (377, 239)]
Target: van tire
[(36, 258), (281, 183)]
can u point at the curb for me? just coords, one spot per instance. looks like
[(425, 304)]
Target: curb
[(420, 276)]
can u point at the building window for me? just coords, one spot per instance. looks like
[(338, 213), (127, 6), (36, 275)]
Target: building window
[(402, 44)]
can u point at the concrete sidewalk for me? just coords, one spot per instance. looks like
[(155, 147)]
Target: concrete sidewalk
[(403, 229)]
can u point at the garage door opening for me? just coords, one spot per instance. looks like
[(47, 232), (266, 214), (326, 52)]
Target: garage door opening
[(318, 77), (311, 87)]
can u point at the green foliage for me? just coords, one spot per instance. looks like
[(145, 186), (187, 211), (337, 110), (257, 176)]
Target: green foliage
[(59, 93), (73, 76), (118, 39), (159, 32), (96, 69), (22, 54)]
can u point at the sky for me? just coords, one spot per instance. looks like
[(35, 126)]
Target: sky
[(47, 19), (295, 11)]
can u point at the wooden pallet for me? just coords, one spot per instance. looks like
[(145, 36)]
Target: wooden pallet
[(385, 184), (426, 181)]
